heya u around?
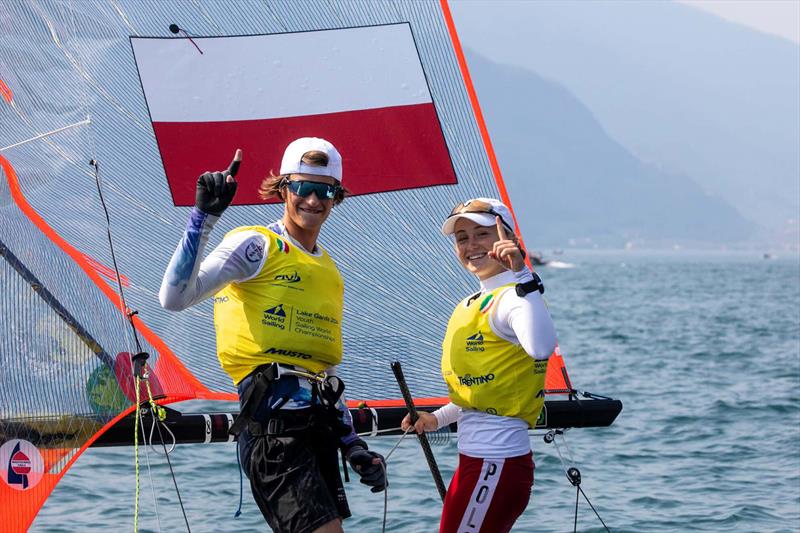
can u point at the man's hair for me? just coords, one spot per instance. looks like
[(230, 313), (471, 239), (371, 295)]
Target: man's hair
[(273, 186)]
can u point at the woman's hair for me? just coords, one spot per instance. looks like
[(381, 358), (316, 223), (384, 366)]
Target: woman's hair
[(274, 186)]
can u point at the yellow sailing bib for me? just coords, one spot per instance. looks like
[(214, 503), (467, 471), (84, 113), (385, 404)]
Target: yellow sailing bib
[(290, 312), (486, 372)]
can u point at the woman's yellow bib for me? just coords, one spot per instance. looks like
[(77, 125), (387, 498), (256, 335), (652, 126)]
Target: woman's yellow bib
[(290, 312), (486, 372)]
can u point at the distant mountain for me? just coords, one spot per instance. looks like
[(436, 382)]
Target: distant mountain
[(679, 88), (571, 183)]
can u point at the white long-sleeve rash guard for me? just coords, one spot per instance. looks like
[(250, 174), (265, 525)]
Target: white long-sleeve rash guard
[(524, 321), (239, 257)]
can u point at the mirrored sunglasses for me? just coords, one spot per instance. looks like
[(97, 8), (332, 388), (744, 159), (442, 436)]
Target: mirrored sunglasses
[(324, 191)]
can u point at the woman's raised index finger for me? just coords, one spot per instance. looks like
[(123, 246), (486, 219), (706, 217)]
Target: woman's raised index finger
[(501, 232)]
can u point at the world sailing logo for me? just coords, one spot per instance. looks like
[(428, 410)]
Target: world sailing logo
[(277, 311), (23, 463), (275, 317), (475, 342)]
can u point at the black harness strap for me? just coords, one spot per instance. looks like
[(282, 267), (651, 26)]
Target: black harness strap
[(327, 392), (262, 378)]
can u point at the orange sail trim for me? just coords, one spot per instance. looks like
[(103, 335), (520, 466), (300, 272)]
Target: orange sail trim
[(178, 381), (476, 108), (6, 92), (556, 371), (20, 507), (105, 271)]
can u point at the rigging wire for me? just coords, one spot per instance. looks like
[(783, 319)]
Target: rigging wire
[(238, 512), (386, 477), (150, 476), (139, 364), (76, 60), (572, 473), (159, 413), (136, 460)]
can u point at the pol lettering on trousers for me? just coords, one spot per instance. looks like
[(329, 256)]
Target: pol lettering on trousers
[(487, 495), (481, 497)]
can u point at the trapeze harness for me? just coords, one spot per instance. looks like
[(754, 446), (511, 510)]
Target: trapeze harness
[(325, 394)]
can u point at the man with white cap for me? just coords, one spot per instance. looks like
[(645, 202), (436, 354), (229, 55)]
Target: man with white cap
[(293, 418), (494, 360)]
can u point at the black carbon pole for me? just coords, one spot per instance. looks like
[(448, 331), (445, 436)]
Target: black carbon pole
[(423, 439)]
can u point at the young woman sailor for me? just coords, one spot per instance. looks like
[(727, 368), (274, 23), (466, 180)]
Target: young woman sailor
[(494, 360), (293, 420)]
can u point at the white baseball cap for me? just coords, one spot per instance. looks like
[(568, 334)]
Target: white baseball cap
[(481, 211), (292, 162)]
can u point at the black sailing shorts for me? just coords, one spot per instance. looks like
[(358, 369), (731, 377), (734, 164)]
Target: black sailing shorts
[(296, 481)]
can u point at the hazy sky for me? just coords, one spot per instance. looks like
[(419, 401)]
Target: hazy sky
[(778, 17)]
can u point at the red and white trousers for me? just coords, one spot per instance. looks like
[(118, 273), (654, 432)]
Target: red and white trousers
[(487, 495)]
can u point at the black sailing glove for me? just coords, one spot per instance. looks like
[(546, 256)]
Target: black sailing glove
[(215, 190), (371, 474)]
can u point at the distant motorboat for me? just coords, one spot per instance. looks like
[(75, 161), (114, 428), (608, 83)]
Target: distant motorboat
[(537, 259)]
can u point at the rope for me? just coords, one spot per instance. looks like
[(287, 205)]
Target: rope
[(580, 490), (140, 373), (241, 481), (171, 446), (139, 421), (150, 476), (572, 473), (406, 432), (575, 522), (386, 476), (159, 414), (136, 459)]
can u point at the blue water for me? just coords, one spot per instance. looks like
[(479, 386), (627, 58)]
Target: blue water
[(704, 351)]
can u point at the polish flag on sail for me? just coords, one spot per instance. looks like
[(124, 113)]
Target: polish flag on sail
[(363, 89)]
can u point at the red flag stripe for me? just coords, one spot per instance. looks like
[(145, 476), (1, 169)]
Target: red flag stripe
[(384, 149)]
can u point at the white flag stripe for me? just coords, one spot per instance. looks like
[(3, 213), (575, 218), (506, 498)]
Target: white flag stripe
[(283, 75)]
